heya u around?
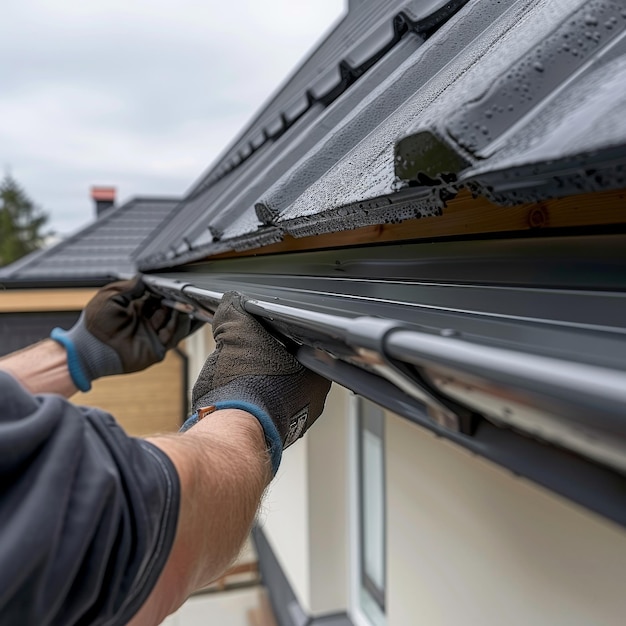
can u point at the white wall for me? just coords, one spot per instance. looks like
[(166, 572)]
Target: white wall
[(328, 506), (197, 347), (304, 513), (285, 521), (468, 543)]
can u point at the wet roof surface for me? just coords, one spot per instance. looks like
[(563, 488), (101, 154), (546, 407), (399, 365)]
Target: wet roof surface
[(518, 101), (405, 103), (105, 249)]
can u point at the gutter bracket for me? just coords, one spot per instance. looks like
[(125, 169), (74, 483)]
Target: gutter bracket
[(174, 297), (368, 337)]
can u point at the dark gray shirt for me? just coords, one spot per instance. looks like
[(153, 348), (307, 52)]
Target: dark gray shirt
[(87, 514)]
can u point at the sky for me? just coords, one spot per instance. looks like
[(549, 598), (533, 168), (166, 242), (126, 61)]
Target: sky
[(138, 94)]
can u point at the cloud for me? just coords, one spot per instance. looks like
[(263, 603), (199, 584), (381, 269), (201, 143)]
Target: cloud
[(140, 94)]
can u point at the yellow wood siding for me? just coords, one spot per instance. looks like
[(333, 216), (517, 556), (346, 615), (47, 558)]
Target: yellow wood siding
[(143, 403), (24, 300)]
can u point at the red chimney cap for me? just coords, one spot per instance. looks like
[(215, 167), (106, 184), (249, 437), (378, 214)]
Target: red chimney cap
[(103, 194)]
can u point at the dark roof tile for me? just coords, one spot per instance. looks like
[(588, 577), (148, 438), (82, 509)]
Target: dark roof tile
[(401, 105), (102, 250)]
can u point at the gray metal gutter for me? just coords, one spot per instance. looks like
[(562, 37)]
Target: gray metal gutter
[(543, 394), (285, 605)]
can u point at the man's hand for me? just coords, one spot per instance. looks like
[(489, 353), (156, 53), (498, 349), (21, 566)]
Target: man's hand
[(124, 328), (252, 371)]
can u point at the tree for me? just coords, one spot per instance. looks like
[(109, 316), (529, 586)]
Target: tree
[(21, 222)]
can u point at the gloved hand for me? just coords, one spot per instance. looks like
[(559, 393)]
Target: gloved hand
[(124, 328), (252, 371)]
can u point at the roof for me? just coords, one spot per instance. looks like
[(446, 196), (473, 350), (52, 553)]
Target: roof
[(102, 251), (404, 105), (450, 132)]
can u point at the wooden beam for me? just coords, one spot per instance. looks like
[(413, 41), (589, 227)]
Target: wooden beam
[(30, 300), (465, 215)]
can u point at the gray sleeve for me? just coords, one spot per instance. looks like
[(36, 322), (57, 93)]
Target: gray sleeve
[(87, 514)]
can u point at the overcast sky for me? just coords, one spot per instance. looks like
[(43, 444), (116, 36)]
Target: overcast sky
[(140, 94)]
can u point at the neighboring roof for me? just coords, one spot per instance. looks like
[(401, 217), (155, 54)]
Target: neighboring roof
[(102, 251), (405, 103)]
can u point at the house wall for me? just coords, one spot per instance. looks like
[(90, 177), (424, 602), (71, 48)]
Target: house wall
[(284, 517), (304, 514), (327, 441), (144, 403), (21, 300), (469, 543)]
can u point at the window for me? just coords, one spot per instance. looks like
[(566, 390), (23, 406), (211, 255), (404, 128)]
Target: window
[(369, 514)]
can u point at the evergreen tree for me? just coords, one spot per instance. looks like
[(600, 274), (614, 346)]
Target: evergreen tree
[(21, 222)]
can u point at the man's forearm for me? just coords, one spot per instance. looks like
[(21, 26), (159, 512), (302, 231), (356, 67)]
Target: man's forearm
[(224, 468), (41, 368)]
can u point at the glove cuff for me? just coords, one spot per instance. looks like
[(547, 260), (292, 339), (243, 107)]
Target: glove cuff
[(77, 374), (272, 436), (87, 357)]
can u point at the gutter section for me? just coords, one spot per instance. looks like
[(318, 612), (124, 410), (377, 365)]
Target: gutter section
[(557, 421)]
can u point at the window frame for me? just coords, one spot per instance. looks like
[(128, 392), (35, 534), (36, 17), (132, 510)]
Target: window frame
[(360, 582)]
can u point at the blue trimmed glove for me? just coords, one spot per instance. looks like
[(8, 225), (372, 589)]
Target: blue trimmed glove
[(251, 370), (124, 328)]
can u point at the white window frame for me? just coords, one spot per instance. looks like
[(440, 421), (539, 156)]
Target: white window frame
[(359, 618)]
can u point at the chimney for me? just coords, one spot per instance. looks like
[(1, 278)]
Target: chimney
[(104, 197)]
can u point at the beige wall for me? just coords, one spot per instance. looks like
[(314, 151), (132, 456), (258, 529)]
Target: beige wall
[(304, 514), (469, 543), (328, 505), (284, 517)]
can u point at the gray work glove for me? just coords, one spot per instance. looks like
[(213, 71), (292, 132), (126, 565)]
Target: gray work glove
[(124, 328), (251, 370)]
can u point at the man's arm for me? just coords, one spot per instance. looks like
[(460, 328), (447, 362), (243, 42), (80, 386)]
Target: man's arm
[(226, 459), (41, 368), (223, 467), (124, 328), (161, 522)]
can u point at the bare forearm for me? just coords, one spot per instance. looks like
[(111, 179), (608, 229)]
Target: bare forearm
[(224, 468), (41, 368)]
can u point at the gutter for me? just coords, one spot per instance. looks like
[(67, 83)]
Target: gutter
[(542, 397)]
